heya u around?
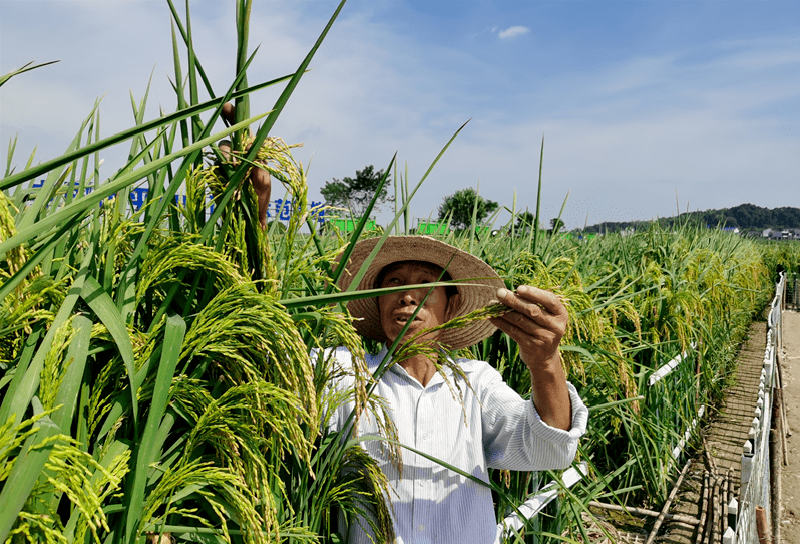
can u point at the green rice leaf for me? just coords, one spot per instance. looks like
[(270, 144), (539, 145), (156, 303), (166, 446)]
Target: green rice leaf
[(146, 452), (71, 155), (24, 69), (77, 352), (102, 305), (16, 400), (107, 189), (26, 471)]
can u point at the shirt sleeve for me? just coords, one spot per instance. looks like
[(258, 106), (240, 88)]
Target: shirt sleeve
[(515, 437)]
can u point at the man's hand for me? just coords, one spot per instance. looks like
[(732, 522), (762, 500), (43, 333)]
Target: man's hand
[(537, 324), (259, 177)]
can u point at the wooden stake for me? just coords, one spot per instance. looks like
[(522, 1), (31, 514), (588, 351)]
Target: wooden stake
[(657, 525), (714, 512), (723, 501), (680, 518), (775, 482), (704, 507), (761, 525)]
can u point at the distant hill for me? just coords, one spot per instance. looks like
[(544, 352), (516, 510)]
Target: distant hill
[(747, 217)]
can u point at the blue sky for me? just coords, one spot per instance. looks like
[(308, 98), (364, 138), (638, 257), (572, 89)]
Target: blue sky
[(644, 106)]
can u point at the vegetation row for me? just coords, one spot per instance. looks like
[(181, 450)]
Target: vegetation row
[(156, 367)]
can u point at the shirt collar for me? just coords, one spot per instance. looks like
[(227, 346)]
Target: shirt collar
[(373, 361)]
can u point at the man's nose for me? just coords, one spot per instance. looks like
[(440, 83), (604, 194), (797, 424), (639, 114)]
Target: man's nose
[(411, 296)]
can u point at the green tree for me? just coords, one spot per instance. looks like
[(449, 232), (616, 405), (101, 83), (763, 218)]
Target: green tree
[(356, 193), (556, 224), (460, 206), (525, 221)]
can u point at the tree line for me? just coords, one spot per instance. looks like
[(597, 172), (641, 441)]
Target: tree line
[(355, 194), (744, 217), (466, 205)]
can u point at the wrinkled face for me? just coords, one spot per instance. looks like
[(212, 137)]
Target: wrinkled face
[(397, 308)]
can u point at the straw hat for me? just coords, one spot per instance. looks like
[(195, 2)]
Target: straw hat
[(459, 264)]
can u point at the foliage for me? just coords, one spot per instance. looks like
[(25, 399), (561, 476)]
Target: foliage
[(140, 390), (556, 224), (465, 207), (525, 221), (167, 368), (743, 216), (356, 193)]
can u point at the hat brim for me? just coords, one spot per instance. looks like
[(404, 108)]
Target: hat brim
[(481, 287)]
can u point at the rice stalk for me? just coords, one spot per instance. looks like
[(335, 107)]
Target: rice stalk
[(246, 336)]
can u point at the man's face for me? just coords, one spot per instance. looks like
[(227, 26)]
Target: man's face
[(397, 308)]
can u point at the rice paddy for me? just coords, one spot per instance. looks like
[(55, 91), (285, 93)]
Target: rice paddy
[(163, 367)]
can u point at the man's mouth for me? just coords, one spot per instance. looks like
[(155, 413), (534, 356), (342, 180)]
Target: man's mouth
[(405, 318)]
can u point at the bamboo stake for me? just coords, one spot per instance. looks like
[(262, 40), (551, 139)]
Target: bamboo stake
[(780, 385), (652, 536), (775, 483), (714, 508), (761, 525), (724, 500), (732, 519), (704, 506), (784, 429), (680, 518)]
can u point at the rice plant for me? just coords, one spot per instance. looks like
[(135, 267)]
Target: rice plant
[(166, 368)]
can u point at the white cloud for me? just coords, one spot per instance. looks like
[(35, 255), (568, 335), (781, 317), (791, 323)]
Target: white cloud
[(512, 32)]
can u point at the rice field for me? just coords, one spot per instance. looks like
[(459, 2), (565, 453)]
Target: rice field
[(160, 369)]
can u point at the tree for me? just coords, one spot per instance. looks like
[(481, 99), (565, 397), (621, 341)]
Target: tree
[(356, 193), (731, 221), (556, 224), (524, 221), (460, 206)]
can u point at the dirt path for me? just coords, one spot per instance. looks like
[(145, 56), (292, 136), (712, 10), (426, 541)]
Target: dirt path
[(790, 480)]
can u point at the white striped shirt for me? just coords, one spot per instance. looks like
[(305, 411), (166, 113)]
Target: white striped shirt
[(433, 504)]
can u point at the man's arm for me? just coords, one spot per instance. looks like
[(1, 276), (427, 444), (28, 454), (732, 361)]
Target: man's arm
[(537, 325), (259, 177)]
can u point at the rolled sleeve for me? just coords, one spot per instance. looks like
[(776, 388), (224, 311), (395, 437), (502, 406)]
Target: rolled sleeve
[(515, 437)]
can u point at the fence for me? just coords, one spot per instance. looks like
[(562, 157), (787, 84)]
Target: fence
[(680, 395), (514, 523), (759, 494), (791, 299), (675, 381)]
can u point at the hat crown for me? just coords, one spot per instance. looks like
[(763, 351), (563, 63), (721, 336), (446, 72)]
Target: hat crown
[(478, 283)]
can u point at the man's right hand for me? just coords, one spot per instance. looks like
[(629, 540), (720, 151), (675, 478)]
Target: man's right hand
[(258, 176)]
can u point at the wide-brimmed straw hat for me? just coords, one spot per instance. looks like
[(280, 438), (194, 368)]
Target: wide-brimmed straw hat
[(475, 293)]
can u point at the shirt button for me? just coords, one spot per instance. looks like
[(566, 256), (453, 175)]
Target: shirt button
[(421, 527)]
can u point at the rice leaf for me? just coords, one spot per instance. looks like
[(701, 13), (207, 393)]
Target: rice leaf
[(23, 69), (146, 453), (26, 470), (67, 396), (105, 309), (16, 401)]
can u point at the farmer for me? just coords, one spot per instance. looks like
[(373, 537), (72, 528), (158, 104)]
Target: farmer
[(487, 425), (491, 426)]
